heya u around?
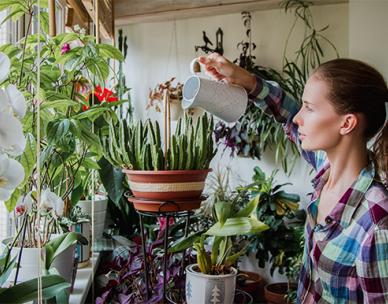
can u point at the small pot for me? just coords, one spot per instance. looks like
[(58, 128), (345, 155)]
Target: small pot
[(204, 288), (275, 293), (164, 185), (83, 252), (100, 208), (253, 283)]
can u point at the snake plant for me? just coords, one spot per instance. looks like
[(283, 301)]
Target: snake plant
[(138, 145)]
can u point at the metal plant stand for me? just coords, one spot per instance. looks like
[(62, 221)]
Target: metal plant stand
[(167, 215)]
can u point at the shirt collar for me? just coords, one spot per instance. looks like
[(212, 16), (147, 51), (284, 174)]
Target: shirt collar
[(347, 205)]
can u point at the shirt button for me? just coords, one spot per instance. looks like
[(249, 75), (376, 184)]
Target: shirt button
[(328, 220)]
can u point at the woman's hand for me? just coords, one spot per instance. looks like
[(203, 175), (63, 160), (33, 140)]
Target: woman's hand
[(221, 68)]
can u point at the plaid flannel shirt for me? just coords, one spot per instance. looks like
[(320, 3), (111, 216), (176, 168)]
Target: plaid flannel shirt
[(346, 258)]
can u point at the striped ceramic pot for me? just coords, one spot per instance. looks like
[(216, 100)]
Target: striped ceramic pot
[(167, 184)]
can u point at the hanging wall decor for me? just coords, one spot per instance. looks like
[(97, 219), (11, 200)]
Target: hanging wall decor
[(218, 47)]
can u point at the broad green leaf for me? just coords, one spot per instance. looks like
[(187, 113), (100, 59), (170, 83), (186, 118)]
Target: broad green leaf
[(90, 163), (28, 291), (249, 208), (11, 203), (60, 244), (185, 242), (59, 104), (65, 38), (237, 226), (108, 51), (6, 272), (28, 158), (44, 21), (223, 211), (57, 129), (92, 114), (112, 179)]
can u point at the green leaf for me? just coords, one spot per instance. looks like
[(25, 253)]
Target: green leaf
[(44, 21), (28, 291), (223, 210), (5, 273), (249, 208), (112, 179), (60, 244), (65, 38), (108, 51), (28, 158), (59, 104), (90, 163), (92, 114), (11, 203), (237, 226), (185, 242), (57, 129)]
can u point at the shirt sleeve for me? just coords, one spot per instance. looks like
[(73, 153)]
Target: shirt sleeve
[(274, 101), (372, 267)]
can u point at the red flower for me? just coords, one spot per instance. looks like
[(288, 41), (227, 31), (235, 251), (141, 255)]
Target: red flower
[(85, 108), (104, 95)]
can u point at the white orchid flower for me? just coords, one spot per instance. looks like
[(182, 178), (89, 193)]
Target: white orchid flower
[(16, 100), (12, 139), (49, 200), (5, 65), (11, 175), (24, 204)]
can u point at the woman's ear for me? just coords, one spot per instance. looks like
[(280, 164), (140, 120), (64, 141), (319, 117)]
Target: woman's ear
[(349, 123)]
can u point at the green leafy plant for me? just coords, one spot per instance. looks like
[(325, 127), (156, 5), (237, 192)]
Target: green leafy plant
[(138, 146), (73, 104), (230, 222), (280, 242), (256, 132)]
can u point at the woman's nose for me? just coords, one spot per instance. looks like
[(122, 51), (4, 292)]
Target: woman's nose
[(297, 119)]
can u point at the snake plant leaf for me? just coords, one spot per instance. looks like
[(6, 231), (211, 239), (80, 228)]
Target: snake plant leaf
[(237, 226)]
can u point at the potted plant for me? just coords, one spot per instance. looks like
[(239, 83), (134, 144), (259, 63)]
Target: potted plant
[(51, 285), (213, 278), (79, 222), (281, 242), (175, 175), (58, 247)]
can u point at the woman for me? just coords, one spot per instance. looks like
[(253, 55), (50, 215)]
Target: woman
[(346, 252)]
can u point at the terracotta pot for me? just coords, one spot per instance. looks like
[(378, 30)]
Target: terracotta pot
[(163, 185), (158, 206), (275, 293), (252, 283)]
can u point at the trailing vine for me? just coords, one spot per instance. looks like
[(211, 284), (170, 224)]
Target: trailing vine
[(255, 132)]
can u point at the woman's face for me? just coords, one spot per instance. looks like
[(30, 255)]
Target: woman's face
[(318, 123)]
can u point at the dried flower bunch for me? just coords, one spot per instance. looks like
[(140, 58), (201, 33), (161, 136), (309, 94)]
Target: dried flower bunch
[(155, 96)]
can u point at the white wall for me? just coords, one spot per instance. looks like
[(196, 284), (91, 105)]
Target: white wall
[(158, 51), (368, 32)]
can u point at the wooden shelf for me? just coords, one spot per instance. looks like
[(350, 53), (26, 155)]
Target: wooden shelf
[(138, 11)]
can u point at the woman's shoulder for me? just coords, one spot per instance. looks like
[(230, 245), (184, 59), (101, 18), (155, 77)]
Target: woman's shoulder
[(376, 197)]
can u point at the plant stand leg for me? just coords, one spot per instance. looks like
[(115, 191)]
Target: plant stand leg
[(181, 271), (165, 258), (145, 260)]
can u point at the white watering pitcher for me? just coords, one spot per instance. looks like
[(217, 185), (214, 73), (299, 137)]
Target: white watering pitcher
[(227, 102)]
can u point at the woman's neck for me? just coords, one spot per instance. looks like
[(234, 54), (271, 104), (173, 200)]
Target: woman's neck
[(346, 163)]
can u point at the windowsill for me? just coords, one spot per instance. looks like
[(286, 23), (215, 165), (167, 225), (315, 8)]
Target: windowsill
[(83, 280)]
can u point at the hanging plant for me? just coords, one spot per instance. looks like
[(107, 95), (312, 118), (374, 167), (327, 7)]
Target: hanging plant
[(255, 131)]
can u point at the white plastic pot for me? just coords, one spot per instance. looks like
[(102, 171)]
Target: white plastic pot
[(100, 207), (209, 289)]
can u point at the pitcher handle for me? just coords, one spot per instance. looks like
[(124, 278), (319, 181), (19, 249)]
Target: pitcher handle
[(195, 66)]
